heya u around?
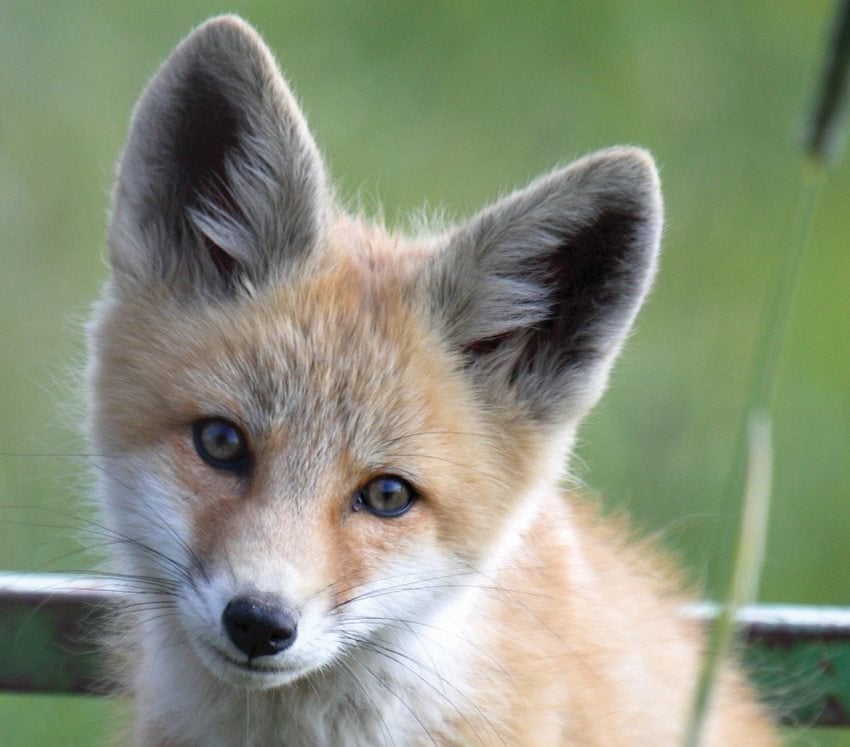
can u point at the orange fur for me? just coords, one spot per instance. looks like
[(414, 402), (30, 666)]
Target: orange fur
[(492, 609)]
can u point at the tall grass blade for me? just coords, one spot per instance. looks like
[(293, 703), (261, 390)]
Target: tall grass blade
[(749, 557), (823, 144), (824, 138)]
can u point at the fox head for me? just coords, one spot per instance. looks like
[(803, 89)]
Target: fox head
[(311, 428)]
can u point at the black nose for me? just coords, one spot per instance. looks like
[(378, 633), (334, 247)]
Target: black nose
[(259, 626)]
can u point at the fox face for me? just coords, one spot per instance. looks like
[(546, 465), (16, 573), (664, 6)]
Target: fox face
[(308, 465), (320, 439)]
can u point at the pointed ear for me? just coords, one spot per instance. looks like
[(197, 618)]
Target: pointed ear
[(220, 179), (538, 292)]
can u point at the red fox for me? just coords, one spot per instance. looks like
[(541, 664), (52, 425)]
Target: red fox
[(332, 455)]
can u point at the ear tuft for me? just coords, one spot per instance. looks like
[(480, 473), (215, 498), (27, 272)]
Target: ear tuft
[(220, 177), (539, 291)]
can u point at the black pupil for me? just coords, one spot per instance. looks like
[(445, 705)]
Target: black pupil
[(222, 441)]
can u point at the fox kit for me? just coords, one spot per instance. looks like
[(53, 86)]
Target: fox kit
[(331, 455)]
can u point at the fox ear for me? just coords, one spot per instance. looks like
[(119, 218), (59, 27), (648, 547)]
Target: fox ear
[(220, 179), (538, 292)]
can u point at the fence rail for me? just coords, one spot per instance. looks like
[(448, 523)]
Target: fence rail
[(799, 656)]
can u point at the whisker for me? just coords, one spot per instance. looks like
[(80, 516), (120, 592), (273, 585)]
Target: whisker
[(349, 669), (398, 623), (431, 585), (402, 701), (409, 663), (410, 580)]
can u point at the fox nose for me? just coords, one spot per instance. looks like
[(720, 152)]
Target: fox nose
[(259, 626)]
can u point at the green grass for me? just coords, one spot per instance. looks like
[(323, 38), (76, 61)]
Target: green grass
[(449, 105)]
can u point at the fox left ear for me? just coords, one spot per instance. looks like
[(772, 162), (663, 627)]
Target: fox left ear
[(220, 179), (538, 292)]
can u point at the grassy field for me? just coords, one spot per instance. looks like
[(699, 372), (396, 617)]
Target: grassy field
[(447, 105)]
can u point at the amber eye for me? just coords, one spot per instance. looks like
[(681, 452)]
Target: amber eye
[(221, 444), (386, 496)]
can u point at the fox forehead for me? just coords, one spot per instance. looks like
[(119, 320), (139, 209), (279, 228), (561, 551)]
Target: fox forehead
[(341, 350)]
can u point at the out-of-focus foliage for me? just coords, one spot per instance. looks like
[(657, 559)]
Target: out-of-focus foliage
[(447, 105)]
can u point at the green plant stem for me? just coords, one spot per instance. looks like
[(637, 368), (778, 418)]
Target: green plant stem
[(822, 145), (749, 555), (779, 307), (743, 584)]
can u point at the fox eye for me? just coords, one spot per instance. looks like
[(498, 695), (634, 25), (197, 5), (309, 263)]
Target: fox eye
[(221, 444), (386, 496)]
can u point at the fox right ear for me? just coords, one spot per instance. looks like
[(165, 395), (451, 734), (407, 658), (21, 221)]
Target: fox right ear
[(220, 180), (538, 292)]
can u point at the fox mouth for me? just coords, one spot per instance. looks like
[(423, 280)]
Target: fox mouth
[(250, 665), (246, 672)]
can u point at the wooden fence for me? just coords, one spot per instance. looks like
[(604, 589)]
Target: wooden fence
[(798, 656)]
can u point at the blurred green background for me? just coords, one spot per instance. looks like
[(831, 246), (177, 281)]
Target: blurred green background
[(447, 105)]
